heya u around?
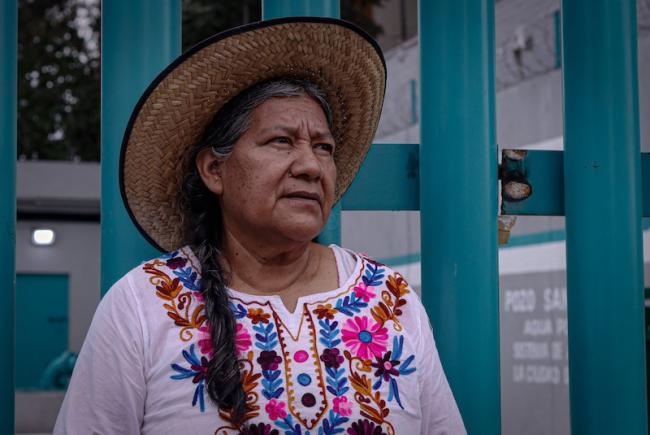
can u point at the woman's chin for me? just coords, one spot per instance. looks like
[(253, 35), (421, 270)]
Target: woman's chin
[(301, 231)]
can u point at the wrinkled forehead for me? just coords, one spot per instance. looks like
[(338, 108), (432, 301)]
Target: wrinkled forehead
[(291, 115)]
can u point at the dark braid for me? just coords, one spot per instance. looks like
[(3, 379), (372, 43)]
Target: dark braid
[(202, 226), (223, 377)]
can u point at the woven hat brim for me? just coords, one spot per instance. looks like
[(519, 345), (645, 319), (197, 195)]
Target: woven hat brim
[(173, 112)]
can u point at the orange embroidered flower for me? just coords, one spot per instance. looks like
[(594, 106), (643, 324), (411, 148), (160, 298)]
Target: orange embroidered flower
[(325, 311), (169, 288), (258, 315), (397, 285)]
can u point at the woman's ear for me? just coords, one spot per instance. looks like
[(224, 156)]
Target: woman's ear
[(210, 170)]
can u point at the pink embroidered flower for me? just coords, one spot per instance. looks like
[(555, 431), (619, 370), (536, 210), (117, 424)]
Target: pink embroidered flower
[(364, 292), (242, 339), (205, 342), (364, 337), (342, 406), (275, 409)]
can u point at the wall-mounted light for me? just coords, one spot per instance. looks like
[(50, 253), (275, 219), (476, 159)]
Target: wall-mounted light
[(43, 237)]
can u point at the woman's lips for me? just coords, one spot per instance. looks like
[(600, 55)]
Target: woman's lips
[(304, 196)]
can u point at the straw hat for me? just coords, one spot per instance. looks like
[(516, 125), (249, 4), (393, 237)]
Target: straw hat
[(175, 109)]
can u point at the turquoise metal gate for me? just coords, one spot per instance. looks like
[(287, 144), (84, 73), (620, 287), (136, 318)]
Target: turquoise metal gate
[(8, 71), (451, 176)]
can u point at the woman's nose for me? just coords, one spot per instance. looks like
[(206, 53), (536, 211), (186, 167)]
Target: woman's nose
[(306, 163)]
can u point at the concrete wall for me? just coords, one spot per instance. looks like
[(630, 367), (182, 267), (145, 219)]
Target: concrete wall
[(399, 20)]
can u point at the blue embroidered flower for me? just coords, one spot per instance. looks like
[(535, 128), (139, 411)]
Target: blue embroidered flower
[(189, 278), (266, 339), (387, 369), (332, 424), (238, 310), (198, 367)]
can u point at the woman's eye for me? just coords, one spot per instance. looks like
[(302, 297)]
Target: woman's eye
[(281, 139), (326, 147)]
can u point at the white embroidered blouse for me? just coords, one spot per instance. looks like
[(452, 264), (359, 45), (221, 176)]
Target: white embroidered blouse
[(359, 359)]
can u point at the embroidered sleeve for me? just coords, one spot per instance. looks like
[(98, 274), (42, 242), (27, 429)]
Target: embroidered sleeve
[(107, 390)]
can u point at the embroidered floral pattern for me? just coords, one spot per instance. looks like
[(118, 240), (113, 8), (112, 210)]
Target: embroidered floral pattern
[(266, 339), (349, 334), (392, 301), (275, 410), (249, 380), (365, 427), (342, 406), (242, 339), (257, 315), (179, 304), (372, 405), (259, 429), (331, 358), (325, 312), (196, 370), (205, 342), (388, 371), (364, 337), (364, 292), (269, 360)]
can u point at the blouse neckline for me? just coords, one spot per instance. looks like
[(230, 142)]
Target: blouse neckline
[(314, 298)]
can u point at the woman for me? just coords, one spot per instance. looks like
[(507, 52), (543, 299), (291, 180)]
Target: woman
[(282, 335)]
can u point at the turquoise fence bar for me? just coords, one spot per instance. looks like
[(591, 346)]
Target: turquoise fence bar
[(139, 39), (544, 171), (645, 183), (305, 8), (603, 218), (458, 179), (8, 85), (310, 8), (400, 190)]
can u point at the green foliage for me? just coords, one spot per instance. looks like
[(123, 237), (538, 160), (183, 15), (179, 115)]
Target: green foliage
[(359, 12), (203, 18), (58, 79), (59, 66)]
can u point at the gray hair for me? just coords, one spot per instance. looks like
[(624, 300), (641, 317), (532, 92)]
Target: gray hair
[(233, 120)]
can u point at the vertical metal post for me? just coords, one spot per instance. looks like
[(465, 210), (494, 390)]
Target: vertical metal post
[(139, 38), (8, 71), (458, 202), (310, 8), (305, 8), (603, 217)]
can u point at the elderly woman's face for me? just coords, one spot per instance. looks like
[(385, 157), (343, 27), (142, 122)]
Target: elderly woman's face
[(279, 180)]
